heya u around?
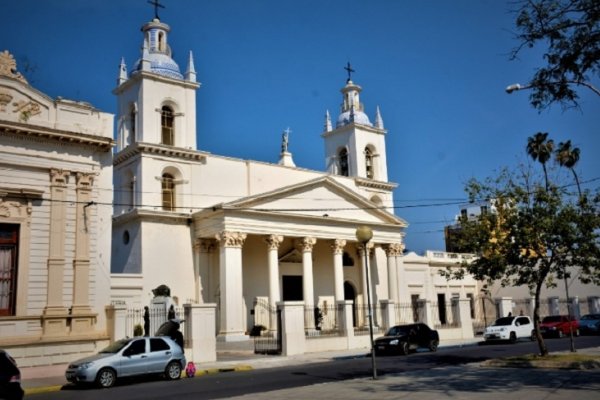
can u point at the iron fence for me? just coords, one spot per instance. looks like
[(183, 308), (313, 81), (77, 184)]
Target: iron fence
[(326, 322), (406, 313)]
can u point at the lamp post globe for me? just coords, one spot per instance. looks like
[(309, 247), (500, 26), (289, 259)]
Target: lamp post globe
[(364, 234)]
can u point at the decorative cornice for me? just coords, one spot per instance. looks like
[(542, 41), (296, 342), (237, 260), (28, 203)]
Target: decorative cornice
[(154, 216), (27, 130), (204, 245), (167, 151), (370, 183)]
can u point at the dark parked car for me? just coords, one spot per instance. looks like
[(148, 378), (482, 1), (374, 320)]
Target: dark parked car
[(129, 357), (10, 378), (559, 326), (589, 324), (401, 339)]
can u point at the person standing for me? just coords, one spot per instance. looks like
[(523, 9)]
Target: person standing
[(171, 314), (146, 321)]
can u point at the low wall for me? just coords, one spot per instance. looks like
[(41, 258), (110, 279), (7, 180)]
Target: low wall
[(55, 352)]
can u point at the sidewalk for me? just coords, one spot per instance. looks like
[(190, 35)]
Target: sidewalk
[(471, 381)]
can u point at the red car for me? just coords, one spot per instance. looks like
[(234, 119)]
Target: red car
[(559, 326)]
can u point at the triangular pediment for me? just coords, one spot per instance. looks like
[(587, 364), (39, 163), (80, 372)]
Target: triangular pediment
[(321, 197)]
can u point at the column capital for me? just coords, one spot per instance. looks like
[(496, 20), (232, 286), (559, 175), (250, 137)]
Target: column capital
[(84, 180), (393, 249), (231, 239), (273, 241), (337, 245), (306, 244), (59, 177), (204, 245)]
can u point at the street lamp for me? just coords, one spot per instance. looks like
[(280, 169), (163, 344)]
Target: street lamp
[(516, 86), (364, 234)]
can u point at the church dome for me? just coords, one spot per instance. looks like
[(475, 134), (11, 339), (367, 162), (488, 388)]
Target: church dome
[(359, 118), (160, 64)]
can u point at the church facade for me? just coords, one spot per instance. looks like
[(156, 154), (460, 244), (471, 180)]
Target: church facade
[(283, 232)]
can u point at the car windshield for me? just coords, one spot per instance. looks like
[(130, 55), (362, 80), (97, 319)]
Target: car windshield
[(555, 318), (591, 317), (398, 331), (116, 346), (504, 321)]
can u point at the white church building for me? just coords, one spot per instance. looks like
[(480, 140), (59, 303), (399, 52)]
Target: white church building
[(285, 233)]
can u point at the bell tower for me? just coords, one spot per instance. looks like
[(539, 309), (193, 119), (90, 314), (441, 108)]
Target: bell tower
[(355, 147), (156, 102)]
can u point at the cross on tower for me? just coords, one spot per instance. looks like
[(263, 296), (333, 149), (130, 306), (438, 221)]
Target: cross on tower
[(348, 68), (156, 5)]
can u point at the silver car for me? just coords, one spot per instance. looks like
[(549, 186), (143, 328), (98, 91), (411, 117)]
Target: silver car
[(129, 357)]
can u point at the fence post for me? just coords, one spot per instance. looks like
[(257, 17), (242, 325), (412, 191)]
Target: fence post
[(200, 339), (575, 308), (293, 339), (344, 318), (553, 306), (530, 306), (464, 316), (388, 314), (425, 314), (594, 304), (116, 325), (504, 306)]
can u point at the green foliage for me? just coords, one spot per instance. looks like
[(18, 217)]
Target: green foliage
[(538, 234), (138, 330), (570, 32)]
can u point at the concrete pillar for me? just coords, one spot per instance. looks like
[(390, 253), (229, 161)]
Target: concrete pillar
[(425, 314), (388, 314), (464, 316), (273, 242), (594, 304), (306, 246), (116, 315), (505, 306), (200, 320), (553, 306), (338, 268), (344, 318), (231, 327), (292, 327), (363, 272)]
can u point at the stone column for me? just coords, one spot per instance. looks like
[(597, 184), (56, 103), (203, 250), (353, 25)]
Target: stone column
[(393, 251), (203, 249), (230, 275), (306, 246), (273, 242), (338, 268), (54, 317), (292, 326)]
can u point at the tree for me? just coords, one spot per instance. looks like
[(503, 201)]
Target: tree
[(540, 149), (568, 157), (536, 236), (571, 31)]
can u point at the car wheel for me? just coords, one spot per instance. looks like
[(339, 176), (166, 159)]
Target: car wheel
[(533, 337), (404, 348), (433, 345), (513, 337), (106, 378), (173, 370)]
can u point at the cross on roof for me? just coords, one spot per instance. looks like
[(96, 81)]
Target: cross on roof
[(156, 5), (348, 68)]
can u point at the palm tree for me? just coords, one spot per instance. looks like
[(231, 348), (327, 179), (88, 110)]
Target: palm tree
[(540, 149), (568, 156)]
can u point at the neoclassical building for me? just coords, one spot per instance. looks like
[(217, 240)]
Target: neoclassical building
[(55, 216), (229, 231)]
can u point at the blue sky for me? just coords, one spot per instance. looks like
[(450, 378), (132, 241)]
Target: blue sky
[(437, 69)]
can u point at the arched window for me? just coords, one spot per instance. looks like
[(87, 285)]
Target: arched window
[(168, 192), (132, 125), (369, 163), (344, 162), (161, 41), (166, 123)]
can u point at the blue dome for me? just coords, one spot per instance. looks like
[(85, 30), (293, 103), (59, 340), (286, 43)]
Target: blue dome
[(359, 118), (160, 64)]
